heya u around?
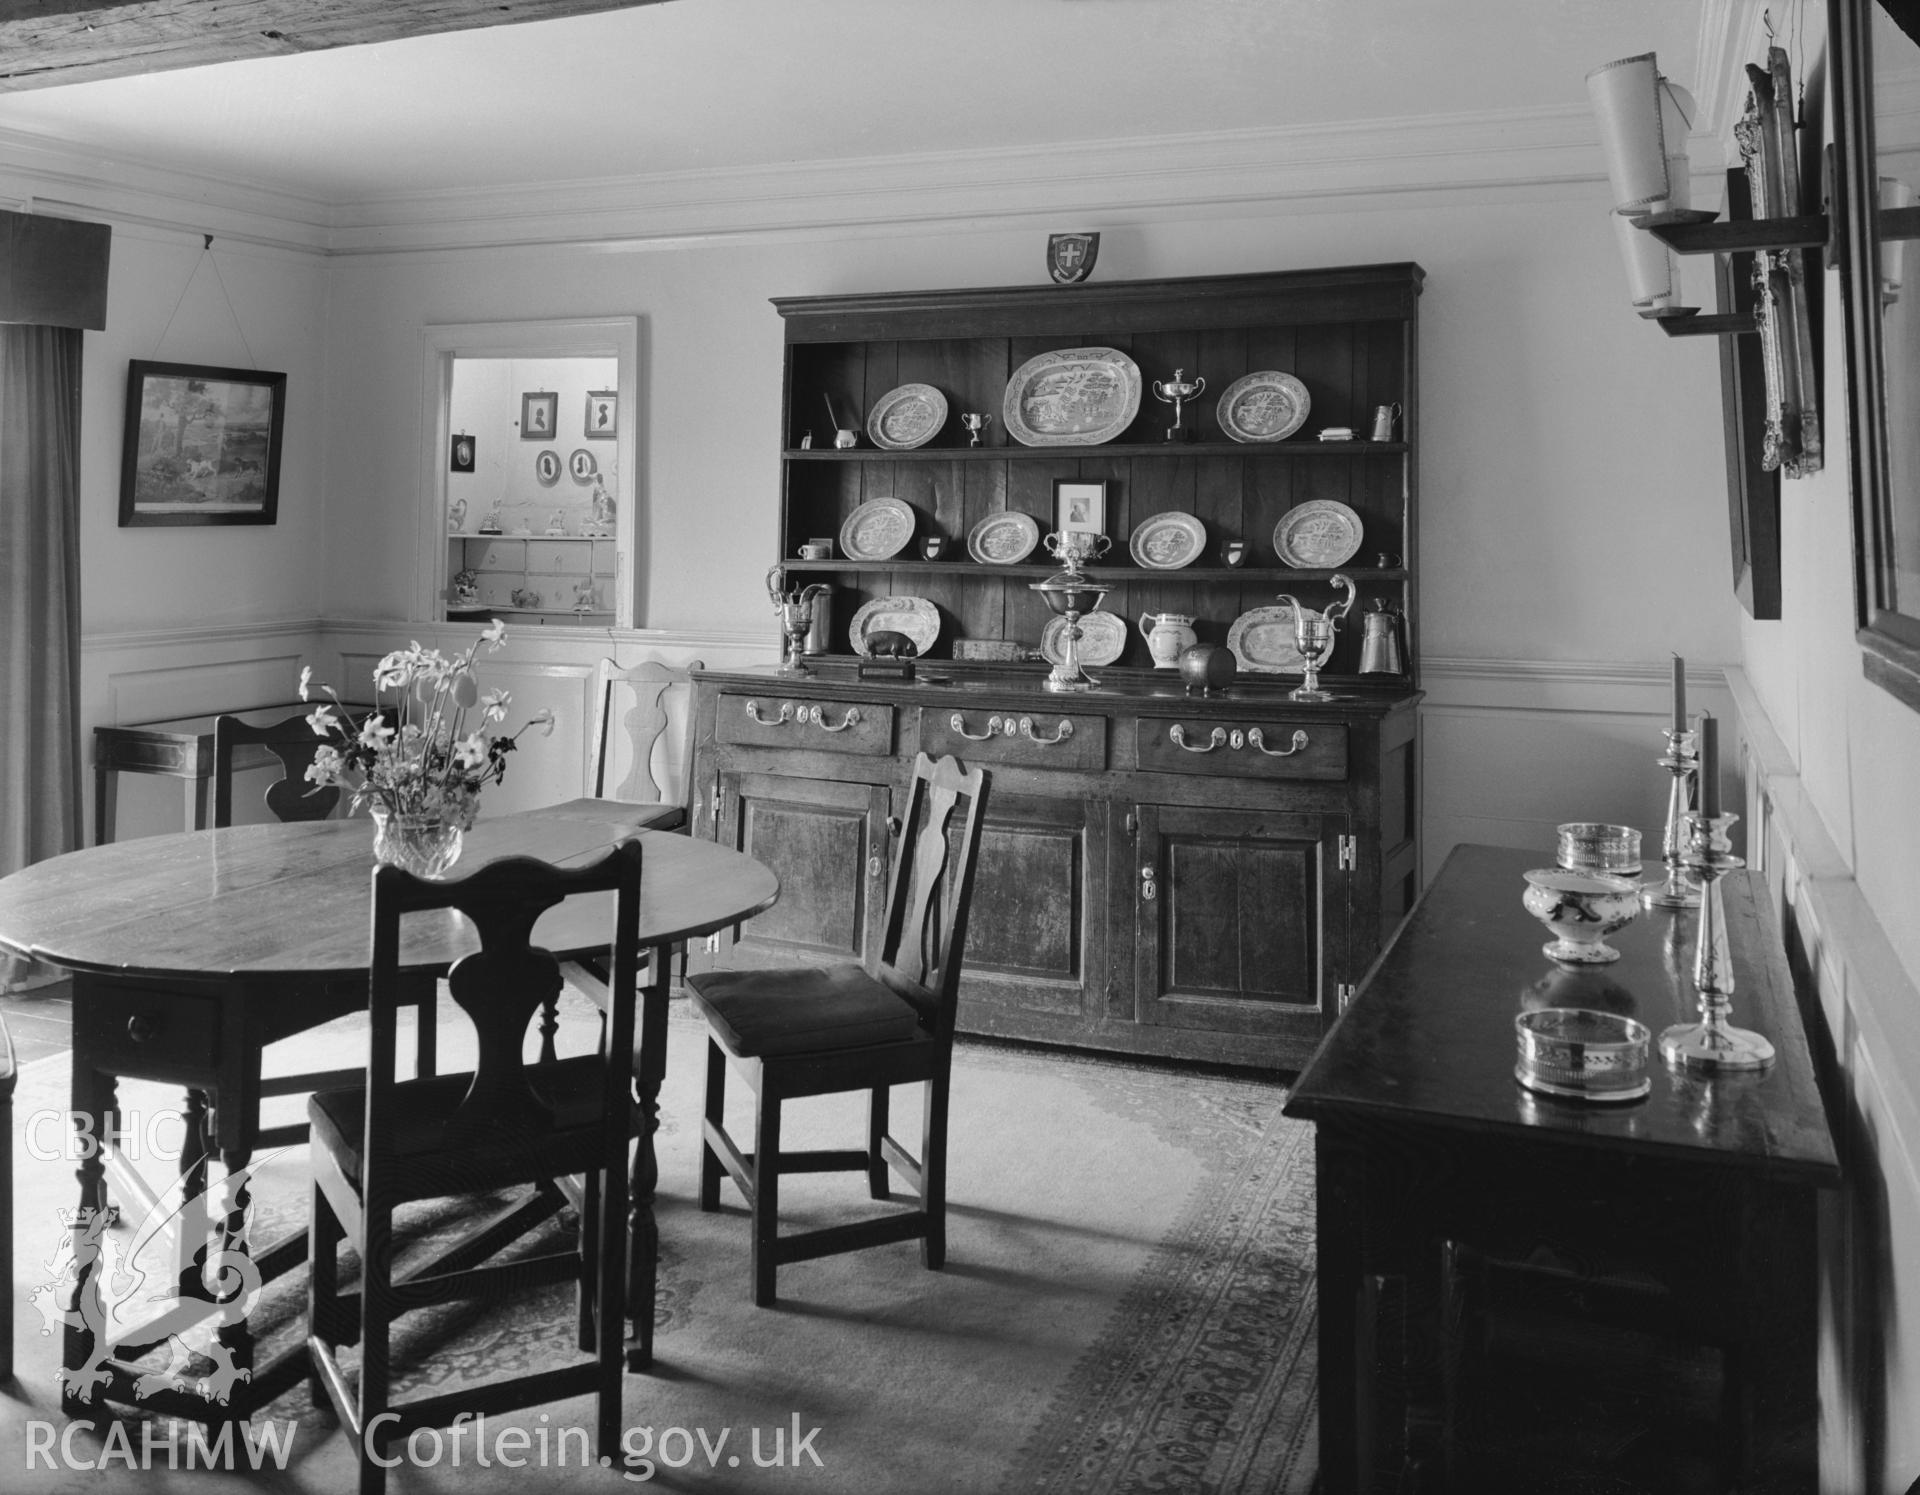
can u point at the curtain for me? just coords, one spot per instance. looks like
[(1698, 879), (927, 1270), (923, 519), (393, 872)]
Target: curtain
[(40, 794)]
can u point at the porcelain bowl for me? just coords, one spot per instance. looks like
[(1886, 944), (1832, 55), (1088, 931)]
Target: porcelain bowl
[(1582, 909)]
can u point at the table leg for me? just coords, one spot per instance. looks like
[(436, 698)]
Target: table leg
[(196, 793), (106, 800), (237, 1283), (1339, 1188), (84, 1349), (650, 1069)]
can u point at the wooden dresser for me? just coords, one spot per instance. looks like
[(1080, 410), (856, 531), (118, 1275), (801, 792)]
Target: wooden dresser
[(1163, 874)]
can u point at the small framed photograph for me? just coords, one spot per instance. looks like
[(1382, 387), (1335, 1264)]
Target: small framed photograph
[(582, 466), (603, 414), (201, 445), (539, 415), (1080, 507), (460, 458), (546, 467)]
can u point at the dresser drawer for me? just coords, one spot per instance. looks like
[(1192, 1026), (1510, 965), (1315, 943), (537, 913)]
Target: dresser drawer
[(1036, 739), (157, 1034), (1251, 749), (863, 728)]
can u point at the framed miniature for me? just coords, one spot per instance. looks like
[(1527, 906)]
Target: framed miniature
[(603, 414), (539, 415), (1079, 507), (201, 446)]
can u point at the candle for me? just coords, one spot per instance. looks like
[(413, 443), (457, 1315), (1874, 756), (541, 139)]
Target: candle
[(1679, 694), (1709, 765)]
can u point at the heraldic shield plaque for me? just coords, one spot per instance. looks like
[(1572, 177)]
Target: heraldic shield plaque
[(1070, 257)]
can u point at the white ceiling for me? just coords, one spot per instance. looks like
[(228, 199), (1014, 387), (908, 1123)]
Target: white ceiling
[(694, 85)]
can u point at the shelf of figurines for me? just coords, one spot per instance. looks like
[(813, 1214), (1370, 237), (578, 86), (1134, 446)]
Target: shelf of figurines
[(1110, 574), (985, 453)]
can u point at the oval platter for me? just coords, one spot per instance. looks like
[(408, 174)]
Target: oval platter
[(1261, 640), (876, 531), (916, 617), (1103, 638), (907, 417), (1073, 397), (1319, 532), (1264, 406), (1166, 542), (1003, 539)]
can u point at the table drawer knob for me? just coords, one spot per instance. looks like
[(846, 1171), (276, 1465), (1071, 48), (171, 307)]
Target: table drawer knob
[(142, 1029)]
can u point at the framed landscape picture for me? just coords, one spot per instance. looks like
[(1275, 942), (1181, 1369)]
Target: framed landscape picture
[(202, 445)]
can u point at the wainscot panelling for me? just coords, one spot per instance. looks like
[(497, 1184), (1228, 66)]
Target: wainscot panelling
[(184, 672), (1864, 1012), (1512, 748)]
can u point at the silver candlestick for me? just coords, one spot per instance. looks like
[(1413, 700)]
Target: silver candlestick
[(1713, 1045), (1679, 890)]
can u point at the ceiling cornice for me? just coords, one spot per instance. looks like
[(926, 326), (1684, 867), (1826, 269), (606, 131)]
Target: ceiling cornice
[(1351, 165)]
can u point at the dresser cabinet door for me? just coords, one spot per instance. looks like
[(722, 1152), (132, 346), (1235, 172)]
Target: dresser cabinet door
[(1037, 930), (829, 845), (1240, 919)]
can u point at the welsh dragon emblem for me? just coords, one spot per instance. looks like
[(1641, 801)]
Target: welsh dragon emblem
[(136, 1296)]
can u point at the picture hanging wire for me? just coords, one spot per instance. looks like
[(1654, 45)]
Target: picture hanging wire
[(206, 257)]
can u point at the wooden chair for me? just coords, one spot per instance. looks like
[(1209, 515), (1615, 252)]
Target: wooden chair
[(290, 797), (9, 1074), (825, 1030), (638, 800), (507, 1124), (294, 742)]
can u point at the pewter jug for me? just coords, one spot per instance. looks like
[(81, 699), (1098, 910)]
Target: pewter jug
[(1380, 645)]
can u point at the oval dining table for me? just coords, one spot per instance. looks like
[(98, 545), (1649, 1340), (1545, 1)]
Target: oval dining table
[(191, 952)]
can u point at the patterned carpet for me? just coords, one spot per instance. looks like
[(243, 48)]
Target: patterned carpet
[(1128, 1306)]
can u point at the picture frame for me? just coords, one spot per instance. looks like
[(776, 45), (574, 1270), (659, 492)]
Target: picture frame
[(1080, 507), (1753, 489), (460, 453), (603, 414), (201, 445), (539, 415), (546, 467), (583, 466)]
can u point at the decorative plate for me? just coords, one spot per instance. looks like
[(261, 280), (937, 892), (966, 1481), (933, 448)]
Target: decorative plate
[(1103, 638), (1075, 397), (1168, 541), (1262, 641), (916, 617), (1267, 406), (909, 416), (1003, 539), (1319, 532), (876, 531)]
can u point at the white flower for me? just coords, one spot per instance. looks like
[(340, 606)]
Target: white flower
[(395, 672), (543, 719), (321, 720), (494, 634), (470, 753), (306, 679), (325, 768), (494, 704), (375, 732)]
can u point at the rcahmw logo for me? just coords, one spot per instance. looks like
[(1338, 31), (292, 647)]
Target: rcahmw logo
[(270, 1442)]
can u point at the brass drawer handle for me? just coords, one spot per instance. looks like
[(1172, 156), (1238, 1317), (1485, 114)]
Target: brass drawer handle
[(819, 718), (786, 714), (1299, 742), (995, 726), (1064, 731), (1178, 735)]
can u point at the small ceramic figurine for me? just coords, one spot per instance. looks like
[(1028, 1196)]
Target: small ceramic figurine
[(466, 588), (583, 599), (558, 524), (491, 524), (456, 516), (603, 510), (525, 597)]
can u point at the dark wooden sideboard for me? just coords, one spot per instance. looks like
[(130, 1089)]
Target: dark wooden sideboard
[(1519, 1292), (1133, 894)]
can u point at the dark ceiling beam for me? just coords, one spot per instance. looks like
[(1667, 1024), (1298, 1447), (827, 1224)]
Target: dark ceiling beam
[(48, 42)]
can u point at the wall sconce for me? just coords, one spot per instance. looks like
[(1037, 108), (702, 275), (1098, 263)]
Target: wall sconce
[(1640, 114), (1895, 197)]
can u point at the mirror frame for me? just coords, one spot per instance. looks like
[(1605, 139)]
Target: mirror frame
[(1890, 640)]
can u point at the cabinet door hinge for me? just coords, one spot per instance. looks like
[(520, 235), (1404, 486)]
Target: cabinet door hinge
[(1348, 852), (1344, 992)]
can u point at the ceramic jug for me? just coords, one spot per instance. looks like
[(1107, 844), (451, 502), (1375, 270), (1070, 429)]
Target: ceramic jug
[(1168, 635)]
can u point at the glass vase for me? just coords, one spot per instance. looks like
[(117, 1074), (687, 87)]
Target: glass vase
[(425, 845)]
